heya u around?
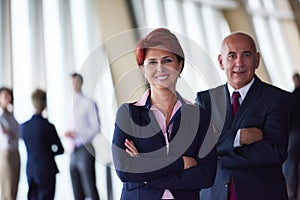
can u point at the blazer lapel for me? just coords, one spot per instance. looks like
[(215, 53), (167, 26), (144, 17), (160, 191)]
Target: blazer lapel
[(150, 121)]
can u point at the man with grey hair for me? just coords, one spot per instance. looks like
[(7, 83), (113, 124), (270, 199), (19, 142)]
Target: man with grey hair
[(253, 142)]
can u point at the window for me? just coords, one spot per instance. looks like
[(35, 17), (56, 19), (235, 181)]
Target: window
[(273, 21), (51, 39), (200, 28)]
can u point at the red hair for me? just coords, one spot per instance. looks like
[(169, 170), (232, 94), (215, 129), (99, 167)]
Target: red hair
[(160, 36)]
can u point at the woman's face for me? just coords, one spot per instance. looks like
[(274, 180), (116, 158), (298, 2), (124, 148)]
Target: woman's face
[(161, 68), (5, 99)]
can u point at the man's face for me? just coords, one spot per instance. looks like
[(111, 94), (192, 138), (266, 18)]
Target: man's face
[(76, 84), (239, 59)]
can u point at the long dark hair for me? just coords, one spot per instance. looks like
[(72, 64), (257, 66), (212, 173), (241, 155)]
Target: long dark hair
[(2, 89)]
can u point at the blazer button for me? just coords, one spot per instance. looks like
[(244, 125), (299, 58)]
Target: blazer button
[(226, 184)]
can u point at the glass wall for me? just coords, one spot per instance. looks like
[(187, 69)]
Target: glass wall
[(50, 39), (200, 28), (42, 42), (278, 39)]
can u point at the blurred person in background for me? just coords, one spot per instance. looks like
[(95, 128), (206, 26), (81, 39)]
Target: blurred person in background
[(291, 165), (84, 126), (42, 145), (9, 153)]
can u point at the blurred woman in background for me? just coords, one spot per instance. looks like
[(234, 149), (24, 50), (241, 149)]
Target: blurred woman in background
[(9, 153)]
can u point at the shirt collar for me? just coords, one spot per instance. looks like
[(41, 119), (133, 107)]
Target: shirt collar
[(243, 91), (145, 100), (77, 94)]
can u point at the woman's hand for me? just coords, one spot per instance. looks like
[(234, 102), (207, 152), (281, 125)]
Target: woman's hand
[(130, 148), (4, 130), (189, 162)]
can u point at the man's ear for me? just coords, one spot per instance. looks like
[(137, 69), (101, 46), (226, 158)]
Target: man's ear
[(257, 60), (220, 60)]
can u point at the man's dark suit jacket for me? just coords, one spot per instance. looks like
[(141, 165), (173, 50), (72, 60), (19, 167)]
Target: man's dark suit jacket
[(256, 168), (153, 165), (42, 144)]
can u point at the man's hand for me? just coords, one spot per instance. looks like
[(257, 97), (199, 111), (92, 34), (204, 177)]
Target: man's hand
[(69, 134), (189, 162), (250, 135)]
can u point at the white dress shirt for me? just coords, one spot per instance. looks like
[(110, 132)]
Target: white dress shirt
[(243, 92), (86, 121)]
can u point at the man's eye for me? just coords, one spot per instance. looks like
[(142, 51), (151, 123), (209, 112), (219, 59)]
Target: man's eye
[(247, 54)]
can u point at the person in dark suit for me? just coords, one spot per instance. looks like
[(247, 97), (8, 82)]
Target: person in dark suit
[(291, 165), (253, 142), (158, 140), (42, 144)]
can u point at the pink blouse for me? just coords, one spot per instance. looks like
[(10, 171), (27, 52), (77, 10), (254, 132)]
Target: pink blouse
[(161, 119)]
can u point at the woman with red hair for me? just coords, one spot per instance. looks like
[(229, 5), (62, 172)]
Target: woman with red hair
[(157, 139)]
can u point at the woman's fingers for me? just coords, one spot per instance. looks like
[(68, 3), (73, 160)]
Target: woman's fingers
[(130, 148)]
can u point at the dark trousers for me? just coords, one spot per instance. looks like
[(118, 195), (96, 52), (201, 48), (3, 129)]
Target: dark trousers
[(83, 175), (42, 189), (291, 165)]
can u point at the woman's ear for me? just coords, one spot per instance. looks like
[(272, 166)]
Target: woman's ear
[(142, 69), (181, 66)]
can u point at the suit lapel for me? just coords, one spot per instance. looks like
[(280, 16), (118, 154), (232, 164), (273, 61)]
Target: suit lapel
[(229, 118), (253, 94)]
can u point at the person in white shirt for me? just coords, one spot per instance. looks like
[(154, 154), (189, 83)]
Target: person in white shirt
[(9, 153), (86, 124)]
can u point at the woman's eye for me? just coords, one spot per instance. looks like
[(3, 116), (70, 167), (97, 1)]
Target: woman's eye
[(167, 60), (231, 56), (152, 63)]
